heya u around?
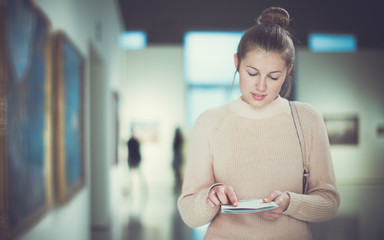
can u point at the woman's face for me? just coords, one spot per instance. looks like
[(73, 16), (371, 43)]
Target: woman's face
[(261, 76)]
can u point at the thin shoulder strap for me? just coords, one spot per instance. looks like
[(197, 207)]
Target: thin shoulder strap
[(300, 135)]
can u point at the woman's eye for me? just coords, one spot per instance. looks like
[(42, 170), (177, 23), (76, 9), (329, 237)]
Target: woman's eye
[(252, 74), (274, 78)]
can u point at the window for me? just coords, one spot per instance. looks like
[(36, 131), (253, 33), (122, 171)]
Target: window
[(209, 70), (133, 40), (332, 42)]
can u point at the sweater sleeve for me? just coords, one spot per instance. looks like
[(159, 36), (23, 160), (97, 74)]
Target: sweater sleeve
[(322, 200), (198, 178)]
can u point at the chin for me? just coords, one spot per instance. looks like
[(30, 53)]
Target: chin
[(258, 105)]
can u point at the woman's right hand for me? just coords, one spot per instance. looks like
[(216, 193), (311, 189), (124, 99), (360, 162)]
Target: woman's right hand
[(222, 195)]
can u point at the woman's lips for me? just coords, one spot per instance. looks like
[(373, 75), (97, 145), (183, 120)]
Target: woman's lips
[(258, 97)]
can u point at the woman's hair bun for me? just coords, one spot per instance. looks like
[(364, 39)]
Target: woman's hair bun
[(274, 15)]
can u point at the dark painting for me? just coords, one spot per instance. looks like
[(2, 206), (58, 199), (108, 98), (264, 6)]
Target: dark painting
[(26, 116), (342, 129)]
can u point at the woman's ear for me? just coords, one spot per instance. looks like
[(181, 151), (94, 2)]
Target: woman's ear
[(290, 69), (236, 60)]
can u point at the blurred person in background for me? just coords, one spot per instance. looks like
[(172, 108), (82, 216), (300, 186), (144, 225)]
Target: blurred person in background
[(134, 155), (177, 161)]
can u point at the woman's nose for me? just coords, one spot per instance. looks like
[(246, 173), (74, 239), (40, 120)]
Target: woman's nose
[(261, 84)]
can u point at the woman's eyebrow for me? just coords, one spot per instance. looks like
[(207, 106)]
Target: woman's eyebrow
[(253, 68), (277, 71)]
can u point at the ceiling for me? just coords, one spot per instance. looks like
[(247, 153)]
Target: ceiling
[(166, 21)]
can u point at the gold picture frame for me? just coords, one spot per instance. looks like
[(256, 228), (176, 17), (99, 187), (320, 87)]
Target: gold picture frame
[(68, 89)]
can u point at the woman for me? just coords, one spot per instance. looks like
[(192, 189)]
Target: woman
[(249, 149)]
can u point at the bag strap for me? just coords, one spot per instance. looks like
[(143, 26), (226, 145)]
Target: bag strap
[(300, 135)]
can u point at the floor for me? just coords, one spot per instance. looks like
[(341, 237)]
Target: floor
[(142, 210), (147, 211)]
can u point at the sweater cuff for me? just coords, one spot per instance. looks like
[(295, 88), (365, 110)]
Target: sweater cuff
[(202, 202), (294, 204)]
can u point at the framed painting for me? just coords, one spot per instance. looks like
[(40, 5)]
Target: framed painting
[(342, 129), (68, 89), (145, 132), (26, 191)]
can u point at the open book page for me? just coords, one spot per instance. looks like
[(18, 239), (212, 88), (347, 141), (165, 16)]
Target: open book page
[(247, 206)]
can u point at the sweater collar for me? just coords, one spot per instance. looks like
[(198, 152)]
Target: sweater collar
[(277, 106)]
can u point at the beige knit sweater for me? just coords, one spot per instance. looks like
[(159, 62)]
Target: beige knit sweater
[(257, 151)]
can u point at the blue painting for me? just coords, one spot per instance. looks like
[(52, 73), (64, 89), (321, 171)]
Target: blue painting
[(73, 143), (27, 118), (69, 128)]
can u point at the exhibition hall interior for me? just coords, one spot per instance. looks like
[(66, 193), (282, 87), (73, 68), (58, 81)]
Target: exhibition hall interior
[(80, 78)]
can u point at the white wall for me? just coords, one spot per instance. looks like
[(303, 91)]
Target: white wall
[(153, 90), (83, 21), (351, 83), (348, 83)]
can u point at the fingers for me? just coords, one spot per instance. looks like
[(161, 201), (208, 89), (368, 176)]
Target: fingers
[(232, 197), (213, 197), (282, 200), (271, 197), (223, 198), (210, 202), (270, 215), (222, 195)]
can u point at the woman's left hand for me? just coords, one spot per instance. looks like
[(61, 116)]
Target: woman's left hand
[(282, 199)]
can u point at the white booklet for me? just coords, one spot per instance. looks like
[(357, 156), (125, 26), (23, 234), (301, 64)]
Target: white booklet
[(247, 206)]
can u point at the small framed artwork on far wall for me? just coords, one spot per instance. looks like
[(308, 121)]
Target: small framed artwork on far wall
[(342, 128)]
